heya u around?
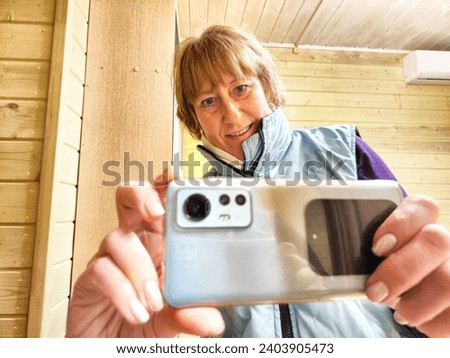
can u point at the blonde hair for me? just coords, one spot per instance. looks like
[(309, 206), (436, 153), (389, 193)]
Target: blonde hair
[(218, 50)]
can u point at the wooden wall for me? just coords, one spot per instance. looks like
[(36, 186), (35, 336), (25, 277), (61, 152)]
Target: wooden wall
[(50, 288), (409, 126), (26, 31), (42, 59)]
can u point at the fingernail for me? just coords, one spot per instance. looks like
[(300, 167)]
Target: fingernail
[(156, 209), (138, 310), (399, 318), (377, 291), (384, 244), (153, 295)]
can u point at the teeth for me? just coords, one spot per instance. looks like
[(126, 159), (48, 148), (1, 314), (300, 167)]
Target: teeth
[(241, 132)]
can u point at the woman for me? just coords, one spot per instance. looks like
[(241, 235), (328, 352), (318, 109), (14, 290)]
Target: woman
[(229, 96)]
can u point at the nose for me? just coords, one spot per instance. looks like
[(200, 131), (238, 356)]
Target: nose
[(231, 111)]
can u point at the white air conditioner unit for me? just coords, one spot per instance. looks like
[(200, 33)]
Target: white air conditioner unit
[(427, 68)]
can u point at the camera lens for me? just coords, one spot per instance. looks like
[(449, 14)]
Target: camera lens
[(197, 207), (240, 199), (224, 199)]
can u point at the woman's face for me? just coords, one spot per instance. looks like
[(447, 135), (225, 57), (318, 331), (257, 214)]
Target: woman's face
[(230, 112)]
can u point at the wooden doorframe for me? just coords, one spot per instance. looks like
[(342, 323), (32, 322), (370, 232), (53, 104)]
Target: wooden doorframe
[(128, 110)]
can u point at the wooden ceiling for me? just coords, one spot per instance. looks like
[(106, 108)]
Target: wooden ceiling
[(367, 24)]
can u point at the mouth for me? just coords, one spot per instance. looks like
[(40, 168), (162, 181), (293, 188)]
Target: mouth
[(240, 132)]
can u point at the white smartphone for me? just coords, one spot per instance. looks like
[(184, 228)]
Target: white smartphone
[(248, 241)]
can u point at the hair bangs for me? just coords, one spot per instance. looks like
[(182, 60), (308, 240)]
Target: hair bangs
[(208, 62)]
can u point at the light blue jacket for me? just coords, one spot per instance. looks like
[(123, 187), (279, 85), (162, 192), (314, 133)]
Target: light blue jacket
[(312, 156)]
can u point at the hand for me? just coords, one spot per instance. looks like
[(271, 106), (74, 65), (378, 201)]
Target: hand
[(119, 294), (414, 279)]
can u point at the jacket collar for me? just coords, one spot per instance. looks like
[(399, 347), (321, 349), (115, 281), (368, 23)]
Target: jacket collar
[(273, 137)]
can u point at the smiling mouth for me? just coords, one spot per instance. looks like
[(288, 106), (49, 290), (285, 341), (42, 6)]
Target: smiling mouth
[(240, 132)]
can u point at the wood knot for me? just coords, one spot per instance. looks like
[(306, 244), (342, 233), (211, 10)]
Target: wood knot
[(12, 105)]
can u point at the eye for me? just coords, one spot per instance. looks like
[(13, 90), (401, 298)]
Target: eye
[(241, 90), (208, 102)]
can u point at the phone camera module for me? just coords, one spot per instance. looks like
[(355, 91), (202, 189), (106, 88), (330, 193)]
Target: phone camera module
[(197, 207), (224, 199), (240, 199)]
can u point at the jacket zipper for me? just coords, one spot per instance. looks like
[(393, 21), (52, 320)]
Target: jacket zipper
[(286, 323), (244, 173)]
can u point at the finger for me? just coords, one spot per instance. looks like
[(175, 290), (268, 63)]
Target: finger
[(405, 268), (198, 321), (404, 223), (118, 289), (162, 181), (131, 257), (136, 204), (427, 300), (438, 327)]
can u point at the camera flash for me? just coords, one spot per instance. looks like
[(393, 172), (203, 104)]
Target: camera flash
[(224, 217)]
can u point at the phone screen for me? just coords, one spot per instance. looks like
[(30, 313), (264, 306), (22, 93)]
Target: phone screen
[(340, 232)]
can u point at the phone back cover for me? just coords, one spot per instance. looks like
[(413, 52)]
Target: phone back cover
[(269, 260)]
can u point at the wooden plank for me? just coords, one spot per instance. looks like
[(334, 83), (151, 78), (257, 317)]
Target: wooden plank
[(406, 145), (285, 19), (364, 115), (49, 189), (344, 21), (77, 62), (216, 12), (79, 27), (19, 201), (183, 22), (20, 160), (65, 203), (322, 82), (234, 12), (356, 100), (27, 11), (268, 18), (437, 191), (83, 5), (13, 326), (417, 160), (68, 165), (22, 119), (376, 24), (288, 69), (71, 127), (25, 41), (60, 281), (14, 291), (437, 18), (371, 23), (55, 326), (301, 21), (74, 91), (61, 242), (414, 14), (198, 12), (384, 59), (105, 108), (394, 132), (252, 15), (422, 176), (24, 79), (16, 246), (319, 21)]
